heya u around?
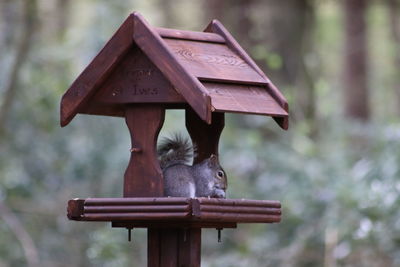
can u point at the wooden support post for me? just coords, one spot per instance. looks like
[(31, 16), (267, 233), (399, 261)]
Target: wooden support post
[(174, 247), (204, 136), (143, 177)]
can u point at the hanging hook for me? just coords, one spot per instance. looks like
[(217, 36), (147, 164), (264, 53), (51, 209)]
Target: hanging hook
[(129, 234), (219, 234)]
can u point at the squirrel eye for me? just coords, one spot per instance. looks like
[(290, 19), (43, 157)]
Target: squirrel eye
[(220, 174)]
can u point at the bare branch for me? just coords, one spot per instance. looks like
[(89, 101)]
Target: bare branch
[(30, 9), (22, 235)]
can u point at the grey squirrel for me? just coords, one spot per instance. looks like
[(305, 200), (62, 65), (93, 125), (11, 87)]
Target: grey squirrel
[(204, 179)]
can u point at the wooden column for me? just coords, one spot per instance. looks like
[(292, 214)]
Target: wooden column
[(204, 136), (174, 247), (143, 177)]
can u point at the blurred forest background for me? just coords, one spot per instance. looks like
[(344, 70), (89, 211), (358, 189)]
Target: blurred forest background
[(336, 170)]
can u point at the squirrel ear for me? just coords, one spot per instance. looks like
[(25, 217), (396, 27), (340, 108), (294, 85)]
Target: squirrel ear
[(213, 159)]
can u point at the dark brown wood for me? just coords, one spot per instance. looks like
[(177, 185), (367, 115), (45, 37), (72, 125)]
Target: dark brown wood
[(174, 247), (137, 80), (75, 209), (173, 224), (243, 99), (153, 248), (190, 35), (168, 247), (244, 210), (187, 85), (204, 136), (122, 209), (143, 177), (137, 201), (236, 210), (238, 202), (96, 72), (216, 27), (175, 212), (132, 216), (282, 121), (212, 61), (240, 218), (139, 66), (189, 244)]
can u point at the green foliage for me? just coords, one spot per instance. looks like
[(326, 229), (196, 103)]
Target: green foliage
[(339, 188)]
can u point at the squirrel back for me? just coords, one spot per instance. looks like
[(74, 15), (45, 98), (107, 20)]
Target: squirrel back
[(204, 179)]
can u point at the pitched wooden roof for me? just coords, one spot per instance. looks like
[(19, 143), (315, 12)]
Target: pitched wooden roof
[(143, 64)]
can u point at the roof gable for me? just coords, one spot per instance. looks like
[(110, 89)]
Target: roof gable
[(134, 80), (141, 64)]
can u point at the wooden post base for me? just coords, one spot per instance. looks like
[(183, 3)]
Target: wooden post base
[(174, 247)]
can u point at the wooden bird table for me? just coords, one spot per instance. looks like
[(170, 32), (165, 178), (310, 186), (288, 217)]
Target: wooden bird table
[(141, 72), (174, 223)]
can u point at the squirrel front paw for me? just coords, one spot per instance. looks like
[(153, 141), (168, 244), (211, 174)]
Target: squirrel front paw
[(219, 193)]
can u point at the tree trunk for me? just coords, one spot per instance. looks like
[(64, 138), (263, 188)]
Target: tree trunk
[(244, 24), (214, 10), (356, 96), (394, 13), (62, 11), (170, 18)]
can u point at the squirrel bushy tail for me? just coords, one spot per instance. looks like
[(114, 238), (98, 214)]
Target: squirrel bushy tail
[(175, 150)]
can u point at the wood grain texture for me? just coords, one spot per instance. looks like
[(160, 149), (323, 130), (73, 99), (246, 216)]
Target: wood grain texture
[(212, 61), (132, 216), (138, 66), (136, 80), (240, 218), (168, 247), (174, 247), (282, 121), (137, 201), (204, 136), (143, 177), (239, 202), (216, 27), (134, 208), (241, 210), (75, 209), (243, 99), (96, 72), (185, 83), (153, 248), (190, 35), (177, 213), (189, 244)]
